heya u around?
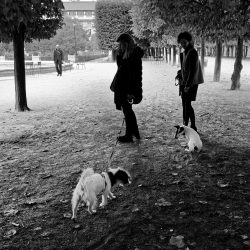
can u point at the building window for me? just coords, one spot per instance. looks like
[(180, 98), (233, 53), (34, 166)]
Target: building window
[(80, 13), (88, 13)]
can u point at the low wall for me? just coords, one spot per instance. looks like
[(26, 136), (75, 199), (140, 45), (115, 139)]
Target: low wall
[(35, 70)]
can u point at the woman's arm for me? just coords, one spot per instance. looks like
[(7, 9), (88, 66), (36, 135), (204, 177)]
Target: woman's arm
[(192, 63)]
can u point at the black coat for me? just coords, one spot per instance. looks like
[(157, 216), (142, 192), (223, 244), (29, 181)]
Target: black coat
[(58, 56), (191, 68), (191, 73), (128, 78)]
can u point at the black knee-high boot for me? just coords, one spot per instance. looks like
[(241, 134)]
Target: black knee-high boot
[(131, 123)]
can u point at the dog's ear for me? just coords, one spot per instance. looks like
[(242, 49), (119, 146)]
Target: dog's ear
[(181, 129), (177, 126)]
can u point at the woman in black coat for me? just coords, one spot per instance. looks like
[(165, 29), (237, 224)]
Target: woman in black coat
[(127, 84), (191, 75)]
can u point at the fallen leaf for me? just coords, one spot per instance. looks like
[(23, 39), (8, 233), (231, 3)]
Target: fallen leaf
[(30, 203), (240, 175), (67, 215), (174, 174), (10, 212), (163, 203), (77, 226), (135, 209), (203, 202), (162, 237), (15, 224), (244, 237), (37, 229), (247, 243), (64, 201), (177, 241), (222, 185), (183, 213), (10, 233), (45, 234), (47, 176)]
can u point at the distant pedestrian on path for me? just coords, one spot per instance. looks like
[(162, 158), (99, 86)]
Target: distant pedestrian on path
[(58, 59), (191, 74), (127, 84)]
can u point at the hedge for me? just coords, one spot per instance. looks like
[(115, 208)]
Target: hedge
[(112, 19)]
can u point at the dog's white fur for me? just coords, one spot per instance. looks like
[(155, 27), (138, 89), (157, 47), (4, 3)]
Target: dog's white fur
[(89, 186), (193, 139)]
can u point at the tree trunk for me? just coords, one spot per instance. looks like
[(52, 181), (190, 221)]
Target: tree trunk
[(174, 55), (19, 69), (202, 53), (228, 52), (235, 84), (170, 54), (218, 56)]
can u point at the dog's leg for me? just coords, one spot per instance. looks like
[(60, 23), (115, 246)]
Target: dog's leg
[(89, 205), (111, 195), (75, 203), (93, 208), (190, 146), (104, 199)]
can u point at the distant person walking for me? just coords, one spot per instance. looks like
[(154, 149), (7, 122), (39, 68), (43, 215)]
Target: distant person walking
[(127, 84), (191, 75), (58, 59)]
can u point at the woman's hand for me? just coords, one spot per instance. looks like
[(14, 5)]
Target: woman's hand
[(130, 98), (186, 89)]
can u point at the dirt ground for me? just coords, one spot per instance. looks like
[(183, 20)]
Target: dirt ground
[(176, 200)]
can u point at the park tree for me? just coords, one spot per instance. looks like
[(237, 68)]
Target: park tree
[(71, 38), (112, 19), (149, 23), (25, 20), (207, 19), (240, 30)]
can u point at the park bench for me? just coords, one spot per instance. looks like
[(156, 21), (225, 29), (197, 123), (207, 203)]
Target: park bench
[(80, 64), (29, 67)]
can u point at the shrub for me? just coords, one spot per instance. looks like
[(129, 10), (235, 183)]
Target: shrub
[(112, 19)]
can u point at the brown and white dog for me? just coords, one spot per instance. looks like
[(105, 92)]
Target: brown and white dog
[(193, 139), (91, 184)]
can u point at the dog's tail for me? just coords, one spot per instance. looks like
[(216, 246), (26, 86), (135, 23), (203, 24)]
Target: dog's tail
[(87, 172)]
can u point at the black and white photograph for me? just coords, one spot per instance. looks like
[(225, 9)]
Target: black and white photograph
[(125, 124)]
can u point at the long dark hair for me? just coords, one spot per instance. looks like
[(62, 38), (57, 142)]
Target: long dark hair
[(130, 44)]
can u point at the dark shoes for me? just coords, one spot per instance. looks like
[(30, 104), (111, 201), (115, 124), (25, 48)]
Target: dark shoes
[(125, 138)]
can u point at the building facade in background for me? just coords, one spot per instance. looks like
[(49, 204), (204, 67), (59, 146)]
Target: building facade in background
[(83, 11)]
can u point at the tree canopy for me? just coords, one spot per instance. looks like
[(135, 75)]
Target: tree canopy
[(65, 37), (112, 19), (41, 18)]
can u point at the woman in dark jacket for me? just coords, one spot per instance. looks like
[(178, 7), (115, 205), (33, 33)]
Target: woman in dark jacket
[(127, 84), (191, 76)]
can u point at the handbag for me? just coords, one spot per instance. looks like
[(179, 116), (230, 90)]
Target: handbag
[(178, 79)]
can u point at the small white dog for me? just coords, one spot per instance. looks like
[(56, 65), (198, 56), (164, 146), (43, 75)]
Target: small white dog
[(193, 139), (91, 184)]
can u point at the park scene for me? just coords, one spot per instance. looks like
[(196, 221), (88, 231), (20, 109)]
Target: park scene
[(58, 118)]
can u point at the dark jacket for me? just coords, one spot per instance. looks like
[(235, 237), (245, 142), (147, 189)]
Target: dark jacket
[(128, 78), (191, 68), (58, 56)]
